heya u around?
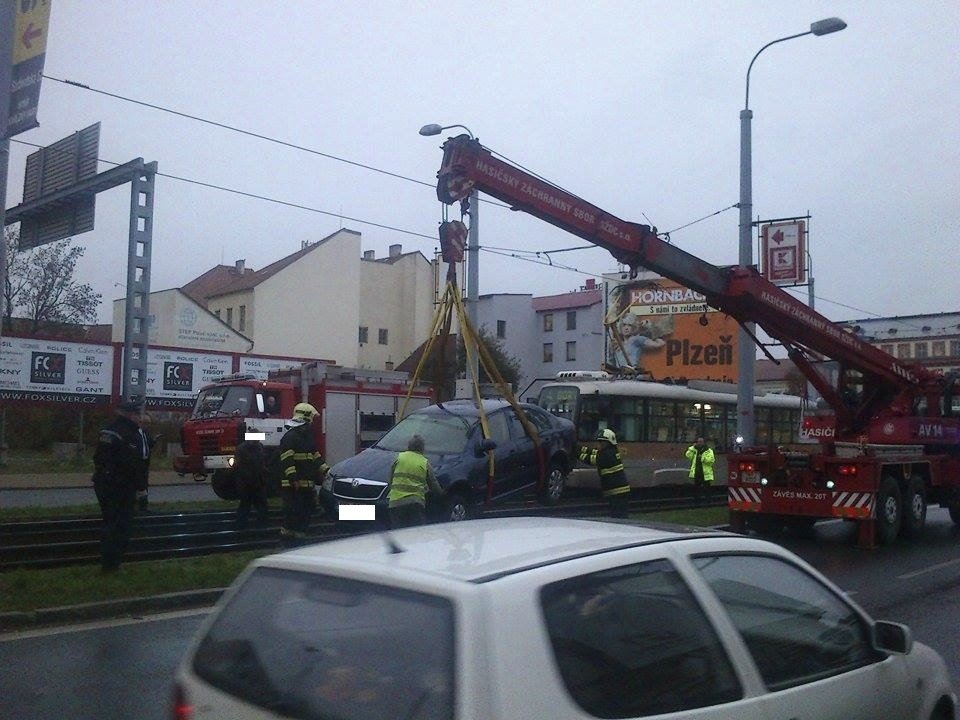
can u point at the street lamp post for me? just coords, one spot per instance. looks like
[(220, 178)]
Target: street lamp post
[(747, 361), (473, 249)]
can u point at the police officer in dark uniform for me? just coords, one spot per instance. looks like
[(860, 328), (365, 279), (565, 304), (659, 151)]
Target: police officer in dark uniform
[(613, 481), (118, 461), (302, 468), (251, 475)]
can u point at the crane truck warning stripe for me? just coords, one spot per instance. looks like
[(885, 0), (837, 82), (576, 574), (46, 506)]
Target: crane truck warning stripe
[(853, 504), (743, 498)]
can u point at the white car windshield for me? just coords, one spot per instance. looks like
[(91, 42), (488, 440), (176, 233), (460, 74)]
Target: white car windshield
[(441, 432)]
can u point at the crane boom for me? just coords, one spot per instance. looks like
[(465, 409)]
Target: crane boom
[(741, 292)]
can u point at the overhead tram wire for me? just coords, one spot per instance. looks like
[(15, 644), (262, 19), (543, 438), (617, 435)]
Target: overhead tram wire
[(265, 198), (249, 133), (319, 153)]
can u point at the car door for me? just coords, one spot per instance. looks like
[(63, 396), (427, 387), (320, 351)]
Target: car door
[(527, 472), (810, 646), (506, 465)]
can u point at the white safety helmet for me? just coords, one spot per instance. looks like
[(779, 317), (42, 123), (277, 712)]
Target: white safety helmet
[(607, 434)]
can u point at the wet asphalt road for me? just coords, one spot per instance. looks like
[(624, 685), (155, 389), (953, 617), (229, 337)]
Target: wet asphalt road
[(123, 670)]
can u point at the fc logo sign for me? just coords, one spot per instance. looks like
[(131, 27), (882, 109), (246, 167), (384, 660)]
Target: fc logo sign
[(177, 376), (48, 368)]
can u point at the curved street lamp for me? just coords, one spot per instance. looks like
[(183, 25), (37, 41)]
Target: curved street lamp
[(747, 360)]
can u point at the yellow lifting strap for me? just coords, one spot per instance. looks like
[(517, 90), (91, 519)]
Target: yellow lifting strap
[(452, 302)]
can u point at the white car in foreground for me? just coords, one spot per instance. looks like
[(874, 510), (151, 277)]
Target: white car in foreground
[(547, 618)]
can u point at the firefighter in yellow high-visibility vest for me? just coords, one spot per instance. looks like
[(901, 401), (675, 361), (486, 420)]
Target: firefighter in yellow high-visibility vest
[(613, 481)]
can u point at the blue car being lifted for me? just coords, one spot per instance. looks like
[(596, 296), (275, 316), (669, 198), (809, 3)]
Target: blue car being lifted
[(460, 456)]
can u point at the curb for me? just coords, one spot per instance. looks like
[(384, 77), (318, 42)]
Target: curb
[(108, 610)]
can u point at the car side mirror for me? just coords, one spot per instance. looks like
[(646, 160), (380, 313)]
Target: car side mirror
[(261, 408), (891, 637), (485, 445)]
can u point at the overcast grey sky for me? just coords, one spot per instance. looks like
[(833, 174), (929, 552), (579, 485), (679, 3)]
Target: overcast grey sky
[(632, 105)]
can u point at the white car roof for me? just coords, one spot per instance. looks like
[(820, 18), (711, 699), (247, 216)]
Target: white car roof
[(478, 550)]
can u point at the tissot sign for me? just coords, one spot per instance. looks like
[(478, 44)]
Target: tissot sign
[(784, 252), (55, 371), (174, 376)]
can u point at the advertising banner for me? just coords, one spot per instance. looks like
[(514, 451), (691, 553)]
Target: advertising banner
[(668, 331), (175, 376), (55, 371), (260, 366)]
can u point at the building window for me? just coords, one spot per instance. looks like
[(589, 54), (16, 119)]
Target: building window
[(888, 349), (903, 350), (548, 322), (501, 328), (382, 336), (572, 320), (548, 352), (242, 321), (217, 313), (920, 349), (939, 348), (230, 317), (571, 351), (364, 335), (955, 348)]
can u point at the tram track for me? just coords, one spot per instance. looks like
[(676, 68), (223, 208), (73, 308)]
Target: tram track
[(62, 542)]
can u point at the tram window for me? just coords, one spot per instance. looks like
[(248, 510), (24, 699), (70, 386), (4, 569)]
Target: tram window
[(762, 435), (663, 421), (782, 424), (713, 422)]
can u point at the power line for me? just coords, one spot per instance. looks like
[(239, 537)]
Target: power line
[(312, 151), (249, 133), (265, 198), (235, 129)]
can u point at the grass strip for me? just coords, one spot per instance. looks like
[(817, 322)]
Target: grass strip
[(26, 589)]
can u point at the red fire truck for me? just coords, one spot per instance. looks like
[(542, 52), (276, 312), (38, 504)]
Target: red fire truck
[(892, 442), (356, 407)]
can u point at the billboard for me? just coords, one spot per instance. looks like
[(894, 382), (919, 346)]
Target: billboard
[(668, 331), (175, 376), (55, 371)]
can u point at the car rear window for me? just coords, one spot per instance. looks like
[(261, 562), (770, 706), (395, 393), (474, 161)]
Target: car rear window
[(633, 641), (318, 647)]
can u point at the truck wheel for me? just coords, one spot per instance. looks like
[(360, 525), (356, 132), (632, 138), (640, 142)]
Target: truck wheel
[(223, 485), (556, 480), (914, 507), (888, 511)]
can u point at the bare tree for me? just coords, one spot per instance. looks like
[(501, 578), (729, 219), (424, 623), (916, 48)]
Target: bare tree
[(40, 285)]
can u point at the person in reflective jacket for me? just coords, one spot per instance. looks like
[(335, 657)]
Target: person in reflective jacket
[(301, 468), (118, 461), (701, 460), (410, 478), (613, 481)]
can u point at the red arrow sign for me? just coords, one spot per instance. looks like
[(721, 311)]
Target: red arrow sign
[(778, 236), (29, 34)]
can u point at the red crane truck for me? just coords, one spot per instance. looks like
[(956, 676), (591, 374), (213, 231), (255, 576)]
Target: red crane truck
[(893, 443), (356, 408)]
